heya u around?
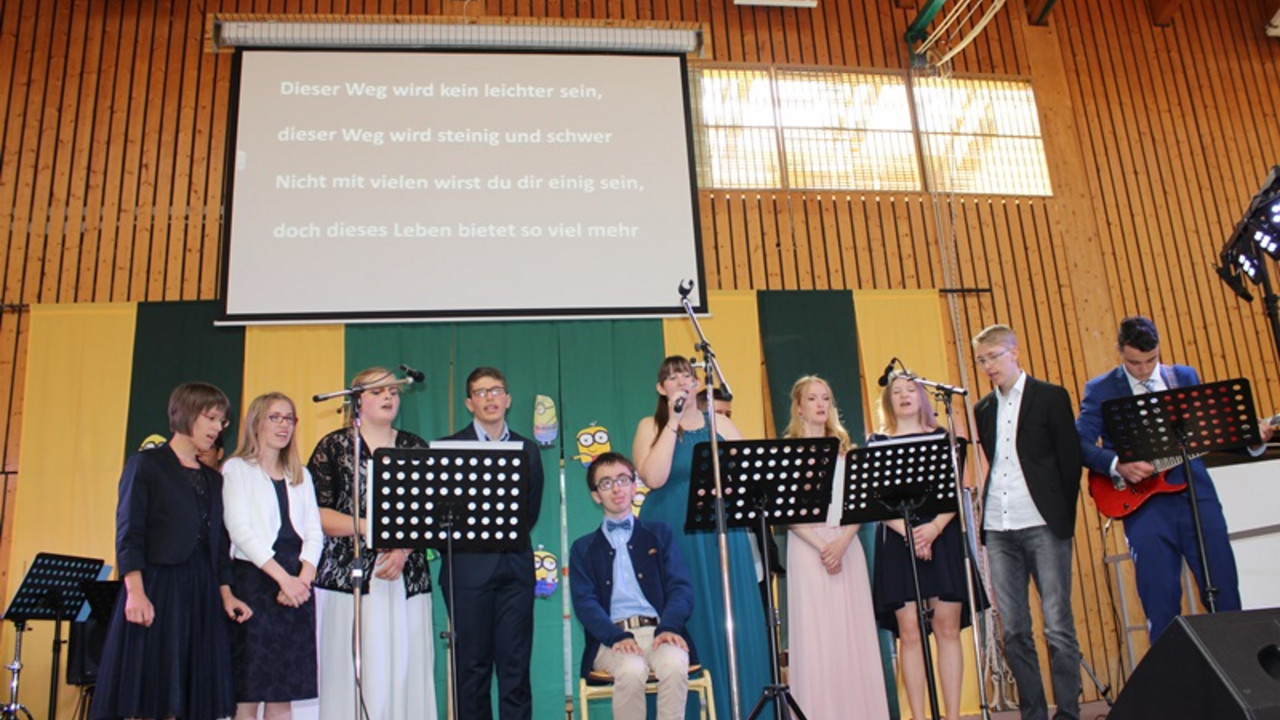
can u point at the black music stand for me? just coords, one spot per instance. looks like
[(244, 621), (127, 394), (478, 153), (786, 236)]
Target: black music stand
[(50, 590), (1178, 423), (456, 495), (903, 478), (783, 481)]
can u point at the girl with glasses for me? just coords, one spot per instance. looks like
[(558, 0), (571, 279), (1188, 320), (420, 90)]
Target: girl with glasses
[(274, 525)]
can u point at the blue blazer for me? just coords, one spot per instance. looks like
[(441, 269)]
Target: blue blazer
[(663, 577), (1090, 426), (473, 569), (158, 520)]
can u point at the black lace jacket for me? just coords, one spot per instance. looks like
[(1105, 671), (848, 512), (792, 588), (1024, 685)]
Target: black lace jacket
[(330, 467)]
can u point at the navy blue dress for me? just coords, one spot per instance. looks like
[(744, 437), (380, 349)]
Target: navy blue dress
[(274, 653)]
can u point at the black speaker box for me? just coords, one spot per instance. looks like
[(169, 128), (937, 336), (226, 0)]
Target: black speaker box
[(84, 651), (1208, 667)]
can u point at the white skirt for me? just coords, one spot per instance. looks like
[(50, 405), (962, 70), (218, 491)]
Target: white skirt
[(396, 667)]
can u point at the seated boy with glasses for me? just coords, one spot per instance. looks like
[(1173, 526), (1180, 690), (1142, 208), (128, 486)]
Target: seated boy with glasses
[(632, 594)]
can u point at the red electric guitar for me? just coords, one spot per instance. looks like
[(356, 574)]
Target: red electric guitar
[(1117, 502)]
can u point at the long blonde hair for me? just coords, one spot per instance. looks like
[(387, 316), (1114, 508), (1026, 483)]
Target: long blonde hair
[(248, 449), (833, 427), (889, 420)]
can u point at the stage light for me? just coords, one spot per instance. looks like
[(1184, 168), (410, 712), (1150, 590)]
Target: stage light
[(1266, 241), (1247, 263), (1231, 276)]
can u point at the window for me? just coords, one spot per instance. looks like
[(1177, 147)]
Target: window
[(836, 130)]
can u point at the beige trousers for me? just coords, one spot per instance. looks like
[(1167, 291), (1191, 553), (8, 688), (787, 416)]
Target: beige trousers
[(670, 665)]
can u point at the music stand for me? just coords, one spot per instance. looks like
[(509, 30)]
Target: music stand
[(783, 481), (902, 478), (455, 495), (1176, 423), (50, 590)]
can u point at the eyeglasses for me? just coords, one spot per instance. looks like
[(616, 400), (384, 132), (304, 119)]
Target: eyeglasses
[(985, 360), (221, 421), (608, 484), (493, 392), (278, 419)]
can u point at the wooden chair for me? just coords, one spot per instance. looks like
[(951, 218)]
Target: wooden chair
[(598, 685)]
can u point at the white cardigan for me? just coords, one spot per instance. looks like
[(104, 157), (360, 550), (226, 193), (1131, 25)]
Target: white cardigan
[(252, 513)]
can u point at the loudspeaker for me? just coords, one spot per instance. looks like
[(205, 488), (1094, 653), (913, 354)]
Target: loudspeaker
[(84, 651), (1222, 666)]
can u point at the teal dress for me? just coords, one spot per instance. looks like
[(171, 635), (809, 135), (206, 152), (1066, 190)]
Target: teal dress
[(702, 554)]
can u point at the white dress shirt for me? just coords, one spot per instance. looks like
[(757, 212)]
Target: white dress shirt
[(1009, 502)]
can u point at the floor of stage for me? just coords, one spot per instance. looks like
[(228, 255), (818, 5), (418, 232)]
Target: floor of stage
[(1088, 711)]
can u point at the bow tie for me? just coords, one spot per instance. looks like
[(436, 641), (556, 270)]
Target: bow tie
[(611, 525)]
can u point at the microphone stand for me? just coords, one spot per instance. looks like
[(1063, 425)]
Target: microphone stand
[(712, 367), (944, 393), (354, 394)]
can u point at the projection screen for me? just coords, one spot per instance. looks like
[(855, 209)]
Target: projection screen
[(386, 185)]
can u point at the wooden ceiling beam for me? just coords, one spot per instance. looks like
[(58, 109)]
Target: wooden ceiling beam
[(1162, 11), (905, 4)]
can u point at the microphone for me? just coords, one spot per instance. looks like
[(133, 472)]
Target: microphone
[(415, 376), (888, 370), (679, 407)]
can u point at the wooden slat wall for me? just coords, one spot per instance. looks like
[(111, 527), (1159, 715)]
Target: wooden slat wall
[(112, 151)]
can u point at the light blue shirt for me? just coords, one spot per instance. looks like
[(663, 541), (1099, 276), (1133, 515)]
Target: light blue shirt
[(484, 436), (627, 598)]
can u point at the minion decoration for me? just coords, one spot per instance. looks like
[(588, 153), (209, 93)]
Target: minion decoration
[(546, 572), (637, 500), (153, 440), (592, 443), (546, 426)]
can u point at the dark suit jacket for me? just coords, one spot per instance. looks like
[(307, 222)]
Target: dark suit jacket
[(660, 569), (473, 569), (158, 519), (1048, 450), (1090, 425)]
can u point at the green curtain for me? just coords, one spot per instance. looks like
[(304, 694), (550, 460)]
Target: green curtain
[(816, 333), (597, 372), (176, 342)]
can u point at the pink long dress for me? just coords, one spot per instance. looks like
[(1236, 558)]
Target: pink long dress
[(833, 644)]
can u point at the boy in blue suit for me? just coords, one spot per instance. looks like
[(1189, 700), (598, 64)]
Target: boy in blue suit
[(1160, 533), (632, 594)]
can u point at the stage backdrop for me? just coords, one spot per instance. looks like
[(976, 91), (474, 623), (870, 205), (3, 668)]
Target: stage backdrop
[(99, 377)]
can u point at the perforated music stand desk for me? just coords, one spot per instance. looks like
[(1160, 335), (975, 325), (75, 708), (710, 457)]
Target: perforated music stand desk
[(1179, 423), (1199, 418), (765, 481), (50, 590), (453, 496), (902, 478), (791, 477), (879, 478)]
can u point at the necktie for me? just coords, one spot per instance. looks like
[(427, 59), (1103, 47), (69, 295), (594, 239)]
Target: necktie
[(1149, 384), (611, 525)]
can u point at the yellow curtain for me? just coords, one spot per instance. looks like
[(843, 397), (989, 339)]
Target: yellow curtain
[(734, 332), (908, 324), (299, 361), (76, 400)]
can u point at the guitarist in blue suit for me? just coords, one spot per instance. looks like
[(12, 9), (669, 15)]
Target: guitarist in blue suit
[(493, 591), (1160, 531)]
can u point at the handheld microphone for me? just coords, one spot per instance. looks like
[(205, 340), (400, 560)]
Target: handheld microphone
[(415, 376), (679, 407), (888, 370)]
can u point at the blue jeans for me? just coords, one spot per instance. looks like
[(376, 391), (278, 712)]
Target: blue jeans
[(1017, 556)]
